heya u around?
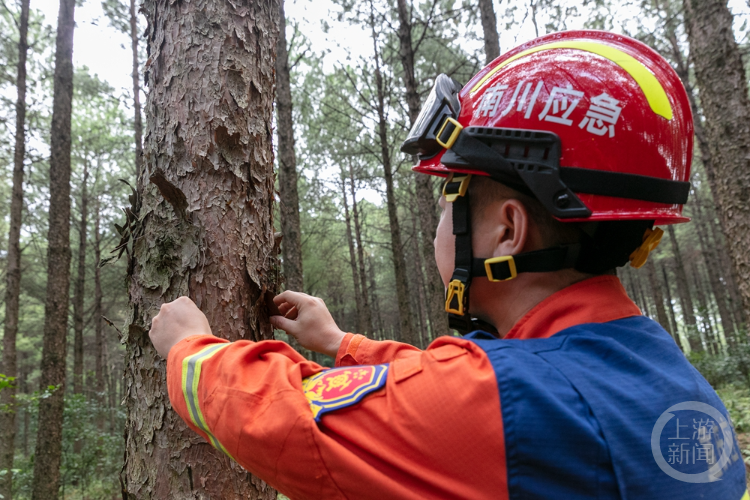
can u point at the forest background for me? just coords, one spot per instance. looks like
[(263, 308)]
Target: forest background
[(356, 229)]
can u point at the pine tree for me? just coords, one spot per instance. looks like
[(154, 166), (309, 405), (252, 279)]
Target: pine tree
[(47, 454), (201, 224), (13, 272)]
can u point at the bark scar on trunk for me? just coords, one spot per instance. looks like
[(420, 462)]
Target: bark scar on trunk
[(171, 193)]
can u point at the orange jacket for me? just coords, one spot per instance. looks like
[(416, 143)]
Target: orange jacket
[(434, 430)]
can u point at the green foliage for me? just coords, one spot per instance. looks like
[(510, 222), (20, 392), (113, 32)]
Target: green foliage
[(92, 448), (6, 381), (723, 370), (737, 400)]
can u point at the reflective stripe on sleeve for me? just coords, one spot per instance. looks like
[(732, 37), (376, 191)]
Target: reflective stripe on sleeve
[(191, 374)]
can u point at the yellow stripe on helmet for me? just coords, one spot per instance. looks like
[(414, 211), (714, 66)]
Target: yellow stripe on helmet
[(652, 89)]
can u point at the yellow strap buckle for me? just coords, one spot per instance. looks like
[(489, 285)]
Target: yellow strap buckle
[(463, 186), (505, 258), (651, 240), (457, 128), (455, 291)]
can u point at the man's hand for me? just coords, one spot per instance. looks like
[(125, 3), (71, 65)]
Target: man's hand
[(176, 321), (307, 319)]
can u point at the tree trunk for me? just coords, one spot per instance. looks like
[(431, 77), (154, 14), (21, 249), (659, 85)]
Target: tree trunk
[(366, 309), (203, 227), (720, 250), (375, 303), (675, 329), (707, 333), (720, 74), (683, 290), (137, 123), (80, 285), (47, 454), (424, 334), (426, 206), (26, 415), (291, 245), (353, 259), (489, 27), (406, 330), (711, 260), (661, 312), (729, 275), (13, 269), (98, 324)]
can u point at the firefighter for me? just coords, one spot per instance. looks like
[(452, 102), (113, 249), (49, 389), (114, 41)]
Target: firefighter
[(561, 157)]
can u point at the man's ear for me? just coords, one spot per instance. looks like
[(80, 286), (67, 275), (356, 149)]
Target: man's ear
[(514, 228)]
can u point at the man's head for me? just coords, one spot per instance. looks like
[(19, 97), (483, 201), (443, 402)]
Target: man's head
[(587, 139), (505, 222)]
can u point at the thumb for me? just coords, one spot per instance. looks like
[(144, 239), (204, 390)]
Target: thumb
[(283, 323)]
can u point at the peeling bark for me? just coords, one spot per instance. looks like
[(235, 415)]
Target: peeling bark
[(13, 270), (47, 455), (204, 227), (721, 79)]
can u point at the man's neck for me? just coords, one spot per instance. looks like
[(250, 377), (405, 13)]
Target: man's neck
[(503, 304)]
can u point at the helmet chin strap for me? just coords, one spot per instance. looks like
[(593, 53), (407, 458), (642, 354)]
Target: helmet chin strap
[(455, 191), (466, 267)]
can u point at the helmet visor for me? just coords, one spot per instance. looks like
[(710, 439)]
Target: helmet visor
[(442, 102)]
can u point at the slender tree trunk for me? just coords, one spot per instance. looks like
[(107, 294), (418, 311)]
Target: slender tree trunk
[(729, 275), (366, 309), (98, 324), (707, 332), (426, 206), (424, 334), (709, 254), (47, 454), (204, 225), (720, 74), (673, 319), (638, 283), (375, 302), (13, 269), (137, 121), (291, 245), (683, 290), (79, 290), (406, 330), (353, 259), (489, 27), (25, 371), (661, 312)]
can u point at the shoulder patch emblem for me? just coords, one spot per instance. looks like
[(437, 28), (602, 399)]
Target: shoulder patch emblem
[(341, 387)]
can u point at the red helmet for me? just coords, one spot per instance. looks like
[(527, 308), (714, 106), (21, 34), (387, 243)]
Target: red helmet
[(602, 102)]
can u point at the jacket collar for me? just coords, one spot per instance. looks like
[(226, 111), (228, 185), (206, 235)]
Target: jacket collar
[(595, 300)]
